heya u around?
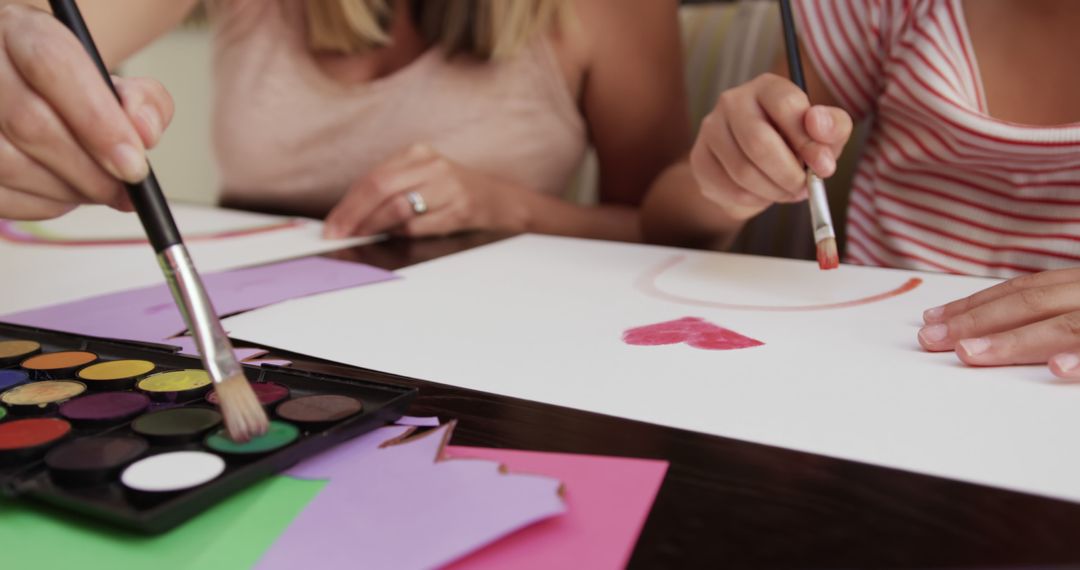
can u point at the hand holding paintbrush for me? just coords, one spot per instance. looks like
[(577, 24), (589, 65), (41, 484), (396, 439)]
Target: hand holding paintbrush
[(764, 143), (820, 216), (244, 416)]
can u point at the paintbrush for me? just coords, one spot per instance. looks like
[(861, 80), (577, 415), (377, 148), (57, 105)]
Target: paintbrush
[(244, 417), (820, 216)]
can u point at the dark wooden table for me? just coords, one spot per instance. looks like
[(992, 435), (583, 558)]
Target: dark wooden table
[(731, 504)]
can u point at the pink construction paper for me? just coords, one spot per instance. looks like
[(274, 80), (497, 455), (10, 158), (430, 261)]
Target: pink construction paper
[(401, 506), (149, 314), (607, 502)]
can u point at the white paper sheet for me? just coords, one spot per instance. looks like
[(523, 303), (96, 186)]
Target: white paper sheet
[(542, 318), (45, 273), (103, 223)]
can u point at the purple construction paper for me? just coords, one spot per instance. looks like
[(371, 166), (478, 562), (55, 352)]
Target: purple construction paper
[(327, 464), (400, 506), (418, 421), (149, 314)]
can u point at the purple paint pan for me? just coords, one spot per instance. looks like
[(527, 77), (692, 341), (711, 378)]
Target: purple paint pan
[(268, 394), (105, 408)]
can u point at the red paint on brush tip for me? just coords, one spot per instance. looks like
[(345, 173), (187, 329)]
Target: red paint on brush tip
[(827, 258)]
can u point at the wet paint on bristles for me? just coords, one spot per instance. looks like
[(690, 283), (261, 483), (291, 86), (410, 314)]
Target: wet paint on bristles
[(827, 255)]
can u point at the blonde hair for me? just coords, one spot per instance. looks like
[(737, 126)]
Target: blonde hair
[(485, 29)]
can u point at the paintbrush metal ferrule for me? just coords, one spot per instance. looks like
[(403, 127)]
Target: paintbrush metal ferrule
[(820, 216), (198, 313)]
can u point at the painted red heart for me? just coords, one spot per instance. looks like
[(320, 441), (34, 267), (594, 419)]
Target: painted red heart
[(694, 331)]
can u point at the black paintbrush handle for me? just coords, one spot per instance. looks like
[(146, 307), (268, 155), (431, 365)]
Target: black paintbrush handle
[(146, 196), (791, 45)]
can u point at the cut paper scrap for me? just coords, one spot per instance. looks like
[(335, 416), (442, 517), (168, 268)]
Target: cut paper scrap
[(607, 499), (270, 361), (149, 313), (417, 421), (232, 534), (186, 344), (44, 274), (693, 331), (414, 510)]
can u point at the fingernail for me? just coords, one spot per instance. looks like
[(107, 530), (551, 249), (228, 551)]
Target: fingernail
[(933, 315), (826, 165), (934, 333), (1066, 362), (128, 163), (824, 120), (975, 346), (331, 232), (150, 117)]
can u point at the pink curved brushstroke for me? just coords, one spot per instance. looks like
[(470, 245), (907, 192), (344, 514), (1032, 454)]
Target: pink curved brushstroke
[(647, 285), (9, 232)]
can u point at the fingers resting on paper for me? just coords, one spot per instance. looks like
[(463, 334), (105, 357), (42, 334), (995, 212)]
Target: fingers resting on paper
[(1026, 320), (420, 192)]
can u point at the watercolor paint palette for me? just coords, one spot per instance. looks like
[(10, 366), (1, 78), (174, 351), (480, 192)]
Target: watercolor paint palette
[(131, 434)]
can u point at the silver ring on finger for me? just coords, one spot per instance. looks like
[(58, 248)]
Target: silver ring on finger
[(416, 201)]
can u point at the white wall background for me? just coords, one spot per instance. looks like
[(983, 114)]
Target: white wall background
[(183, 161)]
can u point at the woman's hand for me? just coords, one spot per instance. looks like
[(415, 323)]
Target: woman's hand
[(64, 140), (751, 149), (1027, 320), (420, 192)]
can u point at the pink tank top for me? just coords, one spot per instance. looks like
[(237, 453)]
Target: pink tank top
[(289, 138)]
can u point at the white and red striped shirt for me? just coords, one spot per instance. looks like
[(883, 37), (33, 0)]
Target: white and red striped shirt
[(941, 185)]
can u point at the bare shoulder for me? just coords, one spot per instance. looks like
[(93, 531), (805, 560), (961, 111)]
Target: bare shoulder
[(603, 22), (609, 13), (593, 28)]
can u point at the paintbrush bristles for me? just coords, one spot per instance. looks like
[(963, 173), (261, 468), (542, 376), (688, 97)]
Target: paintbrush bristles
[(827, 255), (821, 218), (244, 416)]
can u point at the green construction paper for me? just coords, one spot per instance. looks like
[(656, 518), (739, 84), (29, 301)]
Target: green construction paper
[(233, 534)]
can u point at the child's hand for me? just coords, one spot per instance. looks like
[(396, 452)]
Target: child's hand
[(1027, 320), (750, 150)]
